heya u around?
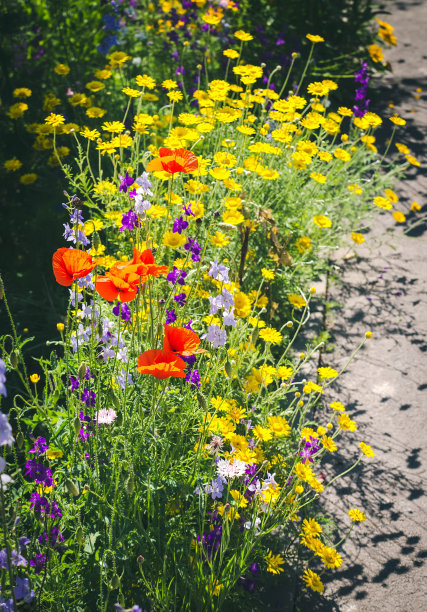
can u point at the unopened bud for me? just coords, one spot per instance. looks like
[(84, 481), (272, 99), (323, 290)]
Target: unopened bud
[(254, 336), (1, 289), (202, 401), (114, 399), (96, 241), (80, 538), (77, 425), (140, 559), (20, 439), (14, 359), (81, 372), (130, 484), (228, 369), (115, 581), (71, 487)]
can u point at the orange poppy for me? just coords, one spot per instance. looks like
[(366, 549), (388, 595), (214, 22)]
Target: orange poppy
[(69, 264), (181, 340), (143, 264), (146, 259), (118, 283), (161, 364), (173, 160), (124, 277)]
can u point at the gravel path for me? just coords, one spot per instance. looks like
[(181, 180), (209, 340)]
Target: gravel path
[(385, 388)]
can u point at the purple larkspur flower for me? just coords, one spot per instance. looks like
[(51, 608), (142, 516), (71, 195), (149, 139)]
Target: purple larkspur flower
[(193, 377), (38, 563), (193, 246), (180, 298), (88, 397), (129, 221), (122, 310), (179, 225), (187, 210), (170, 316), (311, 447), (176, 276), (39, 473), (39, 447), (125, 182)]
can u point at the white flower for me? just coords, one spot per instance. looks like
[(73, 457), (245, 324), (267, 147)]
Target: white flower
[(106, 416), (228, 470)]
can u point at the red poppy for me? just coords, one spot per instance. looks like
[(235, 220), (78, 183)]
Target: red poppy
[(161, 364), (69, 264), (172, 161), (181, 340)]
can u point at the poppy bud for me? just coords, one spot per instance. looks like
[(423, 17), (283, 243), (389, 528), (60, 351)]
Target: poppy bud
[(81, 372), (228, 369), (114, 399), (71, 487), (115, 581), (77, 425), (254, 336), (20, 439), (80, 535), (140, 559), (202, 401), (96, 241), (14, 359), (130, 484)]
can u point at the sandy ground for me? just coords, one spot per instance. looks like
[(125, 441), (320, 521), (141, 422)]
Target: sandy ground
[(384, 290), (385, 388)]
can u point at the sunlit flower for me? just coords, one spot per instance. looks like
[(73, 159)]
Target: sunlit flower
[(356, 515), (313, 581)]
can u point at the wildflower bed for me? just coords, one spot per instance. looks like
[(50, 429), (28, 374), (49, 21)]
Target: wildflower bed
[(174, 436)]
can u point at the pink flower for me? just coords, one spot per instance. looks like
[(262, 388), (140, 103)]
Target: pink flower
[(106, 417)]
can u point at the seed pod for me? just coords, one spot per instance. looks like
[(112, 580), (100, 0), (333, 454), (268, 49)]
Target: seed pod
[(115, 581), (202, 401), (130, 484), (71, 487), (80, 535), (77, 425), (20, 439), (81, 372), (14, 359), (228, 369)]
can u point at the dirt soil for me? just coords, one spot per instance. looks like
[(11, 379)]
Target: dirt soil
[(384, 289)]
